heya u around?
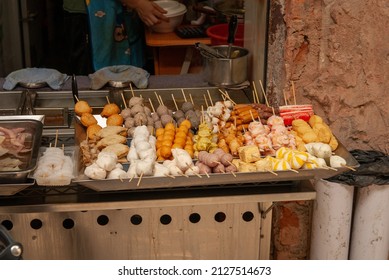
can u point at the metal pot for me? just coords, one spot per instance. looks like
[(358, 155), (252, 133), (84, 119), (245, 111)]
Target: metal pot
[(226, 71)]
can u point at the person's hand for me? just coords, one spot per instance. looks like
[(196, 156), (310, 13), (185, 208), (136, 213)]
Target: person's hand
[(149, 12)]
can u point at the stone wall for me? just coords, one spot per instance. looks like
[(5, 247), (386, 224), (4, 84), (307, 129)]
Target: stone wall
[(336, 52)]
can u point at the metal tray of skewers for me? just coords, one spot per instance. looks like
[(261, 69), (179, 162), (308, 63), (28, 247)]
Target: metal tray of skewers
[(185, 181), (196, 179)]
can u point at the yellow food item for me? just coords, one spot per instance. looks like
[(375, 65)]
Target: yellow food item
[(249, 153), (304, 130), (247, 167)]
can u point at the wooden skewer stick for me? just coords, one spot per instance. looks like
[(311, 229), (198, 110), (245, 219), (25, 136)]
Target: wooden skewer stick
[(202, 114), (294, 94), (255, 92), (252, 116), (160, 99), (183, 174), (132, 90), (56, 138), (293, 170), (233, 173), (274, 112), (106, 97), (254, 98), (210, 98), (191, 99), (229, 97), (349, 167), (151, 104), (195, 173), (206, 173), (264, 94), (272, 172), (183, 94), (132, 177), (285, 100), (170, 176), (156, 96), (75, 96), (225, 95), (206, 101), (124, 100), (140, 178), (175, 103)]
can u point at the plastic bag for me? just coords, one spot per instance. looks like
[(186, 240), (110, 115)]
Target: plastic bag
[(373, 169)]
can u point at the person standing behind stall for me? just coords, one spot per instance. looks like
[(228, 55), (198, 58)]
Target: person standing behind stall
[(77, 54), (117, 32)]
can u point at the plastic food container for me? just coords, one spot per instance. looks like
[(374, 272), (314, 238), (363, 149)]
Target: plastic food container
[(175, 13), (219, 34)]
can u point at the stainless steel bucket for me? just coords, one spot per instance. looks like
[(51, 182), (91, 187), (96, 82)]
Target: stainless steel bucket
[(226, 71)]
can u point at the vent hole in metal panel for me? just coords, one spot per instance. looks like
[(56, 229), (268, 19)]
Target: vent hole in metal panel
[(36, 224), (165, 219), (194, 218), (220, 217), (7, 224), (102, 220), (136, 219), (68, 223), (248, 216)]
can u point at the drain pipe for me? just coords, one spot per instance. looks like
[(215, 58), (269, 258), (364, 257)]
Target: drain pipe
[(331, 221), (370, 231)]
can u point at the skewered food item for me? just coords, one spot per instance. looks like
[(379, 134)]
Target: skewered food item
[(337, 161), (119, 149), (82, 107), (92, 130), (110, 140), (115, 120), (289, 113), (117, 173), (249, 154), (107, 160), (318, 149), (110, 109), (323, 131), (142, 153), (110, 130), (54, 168), (87, 119), (304, 130), (95, 172)]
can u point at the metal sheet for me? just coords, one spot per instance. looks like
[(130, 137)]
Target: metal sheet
[(11, 189), (215, 179)]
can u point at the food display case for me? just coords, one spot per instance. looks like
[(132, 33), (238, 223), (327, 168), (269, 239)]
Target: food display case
[(220, 216)]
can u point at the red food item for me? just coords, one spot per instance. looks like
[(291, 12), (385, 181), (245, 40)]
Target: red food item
[(293, 112)]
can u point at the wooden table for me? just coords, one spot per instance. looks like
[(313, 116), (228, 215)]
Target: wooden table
[(174, 55)]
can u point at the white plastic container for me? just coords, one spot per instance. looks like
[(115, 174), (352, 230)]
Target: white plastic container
[(175, 13)]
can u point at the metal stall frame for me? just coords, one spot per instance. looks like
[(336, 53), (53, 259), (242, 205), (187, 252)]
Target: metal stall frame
[(41, 227)]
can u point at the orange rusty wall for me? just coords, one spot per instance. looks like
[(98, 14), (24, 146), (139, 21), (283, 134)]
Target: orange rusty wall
[(337, 55)]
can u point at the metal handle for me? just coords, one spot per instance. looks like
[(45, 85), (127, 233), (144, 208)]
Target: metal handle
[(232, 27), (13, 250), (74, 89)]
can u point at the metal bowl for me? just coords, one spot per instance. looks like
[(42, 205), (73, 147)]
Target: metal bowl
[(32, 85)]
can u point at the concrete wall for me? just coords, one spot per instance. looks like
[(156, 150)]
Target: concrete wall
[(337, 54)]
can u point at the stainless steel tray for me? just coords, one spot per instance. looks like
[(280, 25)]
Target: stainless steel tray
[(34, 128), (11, 189), (216, 179)]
